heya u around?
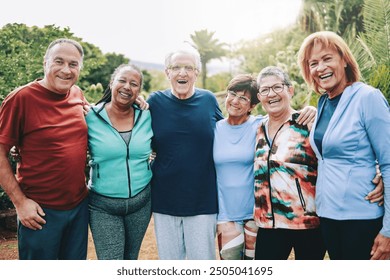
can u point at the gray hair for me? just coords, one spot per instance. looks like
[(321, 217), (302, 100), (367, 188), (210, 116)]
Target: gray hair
[(76, 44), (273, 71), (186, 51)]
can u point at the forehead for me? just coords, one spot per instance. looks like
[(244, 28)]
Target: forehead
[(320, 49), (65, 51), (270, 80), (128, 72), (182, 58)]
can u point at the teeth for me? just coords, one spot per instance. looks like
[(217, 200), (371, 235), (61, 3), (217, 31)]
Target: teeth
[(125, 94), (273, 101), (326, 76)]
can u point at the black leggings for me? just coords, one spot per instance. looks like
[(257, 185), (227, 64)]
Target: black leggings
[(276, 244), (350, 239)]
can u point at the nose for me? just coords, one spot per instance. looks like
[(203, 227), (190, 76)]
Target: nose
[(127, 85), (271, 92), (182, 71), (66, 68), (321, 66)]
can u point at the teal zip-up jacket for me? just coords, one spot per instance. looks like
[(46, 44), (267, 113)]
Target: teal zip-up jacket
[(118, 170)]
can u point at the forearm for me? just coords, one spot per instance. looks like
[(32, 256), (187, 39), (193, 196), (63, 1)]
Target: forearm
[(386, 219)]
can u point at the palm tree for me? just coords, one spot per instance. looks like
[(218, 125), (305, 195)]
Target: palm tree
[(208, 47), (372, 47), (335, 15)]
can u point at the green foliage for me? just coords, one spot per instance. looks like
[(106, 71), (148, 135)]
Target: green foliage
[(5, 202), (372, 47), (93, 93), (209, 48), (102, 74), (21, 54), (218, 82), (147, 80), (158, 80), (344, 18)]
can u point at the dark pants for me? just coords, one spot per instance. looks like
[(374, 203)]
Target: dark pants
[(276, 244), (350, 239), (63, 237)]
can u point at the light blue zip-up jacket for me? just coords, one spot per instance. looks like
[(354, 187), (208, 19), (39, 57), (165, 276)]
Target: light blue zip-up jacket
[(117, 169), (357, 135)]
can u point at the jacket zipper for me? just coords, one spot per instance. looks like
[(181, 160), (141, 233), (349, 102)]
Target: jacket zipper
[(127, 145), (300, 194)]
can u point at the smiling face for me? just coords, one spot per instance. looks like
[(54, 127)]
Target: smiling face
[(62, 68), (327, 69), (238, 106), (182, 74), (125, 87), (275, 104)]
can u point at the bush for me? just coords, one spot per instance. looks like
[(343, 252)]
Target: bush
[(5, 202)]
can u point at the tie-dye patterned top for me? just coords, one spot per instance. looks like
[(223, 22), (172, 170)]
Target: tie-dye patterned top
[(285, 177)]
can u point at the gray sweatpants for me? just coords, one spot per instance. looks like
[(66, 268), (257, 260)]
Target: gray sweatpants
[(118, 225)]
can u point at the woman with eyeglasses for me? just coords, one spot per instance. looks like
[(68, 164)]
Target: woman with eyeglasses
[(233, 152), (285, 169), (351, 134)]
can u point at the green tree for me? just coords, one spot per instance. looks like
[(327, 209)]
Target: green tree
[(372, 47), (209, 48), (344, 18), (103, 73), (22, 49), (93, 93)]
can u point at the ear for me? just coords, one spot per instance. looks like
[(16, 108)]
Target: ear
[(196, 73), (291, 91), (167, 73)]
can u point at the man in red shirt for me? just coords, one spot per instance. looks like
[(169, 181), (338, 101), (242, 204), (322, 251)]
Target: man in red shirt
[(44, 120)]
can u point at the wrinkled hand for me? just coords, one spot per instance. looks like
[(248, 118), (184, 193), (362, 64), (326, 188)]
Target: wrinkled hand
[(381, 248), (30, 214), (140, 101), (307, 115), (377, 195), (152, 156), (86, 108)]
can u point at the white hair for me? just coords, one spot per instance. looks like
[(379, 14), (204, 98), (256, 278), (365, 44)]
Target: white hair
[(184, 49)]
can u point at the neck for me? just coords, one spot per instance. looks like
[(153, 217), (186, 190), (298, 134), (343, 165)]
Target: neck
[(337, 90), (119, 111), (183, 95), (278, 119), (237, 120)]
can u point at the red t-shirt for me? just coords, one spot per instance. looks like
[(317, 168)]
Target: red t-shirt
[(51, 133)]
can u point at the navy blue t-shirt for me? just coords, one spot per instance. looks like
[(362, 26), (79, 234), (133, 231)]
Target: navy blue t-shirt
[(184, 182), (324, 119)]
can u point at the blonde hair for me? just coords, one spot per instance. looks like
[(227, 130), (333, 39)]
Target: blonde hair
[(329, 40)]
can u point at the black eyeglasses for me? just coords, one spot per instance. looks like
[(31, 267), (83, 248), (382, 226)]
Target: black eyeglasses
[(277, 88), (243, 99)]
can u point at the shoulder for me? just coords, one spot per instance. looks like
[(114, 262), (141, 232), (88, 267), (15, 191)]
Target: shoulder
[(20, 92), (156, 94), (204, 93), (95, 109), (76, 90), (220, 124), (365, 94)]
